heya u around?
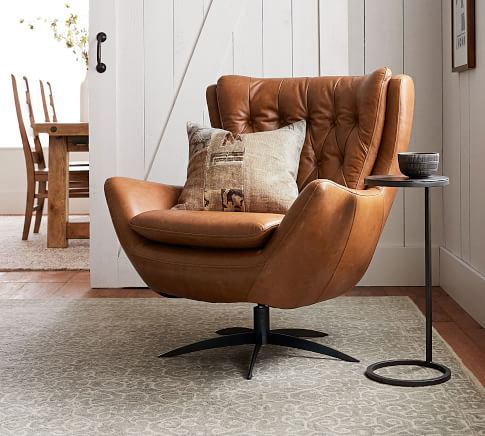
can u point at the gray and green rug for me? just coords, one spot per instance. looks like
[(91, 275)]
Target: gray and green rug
[(90, 367)]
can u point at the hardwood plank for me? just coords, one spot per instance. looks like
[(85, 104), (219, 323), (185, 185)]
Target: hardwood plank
[(73, 290), (462, 318), (80, 277), (122, 293), (58, 204), (477, 336), (82, 289), (439, 314), (62, 129), (36, 276), (36, 290), (368, 291), (409, 291), (471, 355)]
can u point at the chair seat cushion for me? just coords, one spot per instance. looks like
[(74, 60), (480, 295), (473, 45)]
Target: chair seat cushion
[(207, 228)]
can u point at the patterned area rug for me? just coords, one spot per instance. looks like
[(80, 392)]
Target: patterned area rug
[(90, 367), (33, 254)]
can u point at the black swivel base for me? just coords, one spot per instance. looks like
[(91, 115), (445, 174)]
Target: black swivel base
[(262, 335)]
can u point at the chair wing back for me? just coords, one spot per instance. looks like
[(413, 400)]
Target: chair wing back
[(354, 125)]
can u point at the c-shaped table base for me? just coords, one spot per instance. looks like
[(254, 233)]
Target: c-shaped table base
[(428, 363)]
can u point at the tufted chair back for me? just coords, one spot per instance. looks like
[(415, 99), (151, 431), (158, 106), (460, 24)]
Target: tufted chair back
[(346, 119)]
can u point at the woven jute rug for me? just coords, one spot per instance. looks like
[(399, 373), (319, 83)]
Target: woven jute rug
[(33, 254), (90, 367)]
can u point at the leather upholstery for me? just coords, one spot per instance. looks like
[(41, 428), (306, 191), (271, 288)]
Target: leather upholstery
[(207, 228), (326, 241), (344, 115)]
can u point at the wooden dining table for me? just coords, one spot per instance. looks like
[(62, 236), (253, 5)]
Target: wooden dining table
[(64, 138)]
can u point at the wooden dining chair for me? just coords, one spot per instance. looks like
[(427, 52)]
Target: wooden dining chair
[(48, 117), (51, 103), (37, 171)]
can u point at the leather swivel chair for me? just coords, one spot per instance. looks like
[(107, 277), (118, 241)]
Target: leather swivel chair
[(320, 249)]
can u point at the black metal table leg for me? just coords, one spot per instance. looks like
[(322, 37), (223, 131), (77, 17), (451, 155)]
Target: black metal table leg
[(428, 363), (428, 276)]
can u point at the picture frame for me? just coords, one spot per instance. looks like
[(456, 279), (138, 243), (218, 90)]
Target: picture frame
[(463, 35)]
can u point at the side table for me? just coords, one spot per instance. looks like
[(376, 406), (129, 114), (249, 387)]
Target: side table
[(426, 183)]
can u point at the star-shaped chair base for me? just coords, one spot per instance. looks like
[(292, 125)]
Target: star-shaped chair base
[(262, 335)]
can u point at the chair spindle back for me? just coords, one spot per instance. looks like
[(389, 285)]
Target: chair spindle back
[(51, 103)]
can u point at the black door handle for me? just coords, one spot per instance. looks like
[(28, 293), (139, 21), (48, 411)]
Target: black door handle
[(100, 67)]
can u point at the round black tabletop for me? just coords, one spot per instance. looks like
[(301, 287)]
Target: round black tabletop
[(406, 182)]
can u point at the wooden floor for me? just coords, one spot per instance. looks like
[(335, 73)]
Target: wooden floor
[(459, 329)]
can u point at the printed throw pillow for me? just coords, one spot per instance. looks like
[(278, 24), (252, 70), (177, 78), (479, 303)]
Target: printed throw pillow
[(251, 172)]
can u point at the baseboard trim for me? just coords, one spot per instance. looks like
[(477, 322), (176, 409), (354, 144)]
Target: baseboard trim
[(464, 284), (400, 266)]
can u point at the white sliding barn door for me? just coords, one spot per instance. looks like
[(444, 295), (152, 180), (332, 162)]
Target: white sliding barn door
[(160, 56), (116, 127)]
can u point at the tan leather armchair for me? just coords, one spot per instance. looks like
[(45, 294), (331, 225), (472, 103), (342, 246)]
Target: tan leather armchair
[(320, 249)]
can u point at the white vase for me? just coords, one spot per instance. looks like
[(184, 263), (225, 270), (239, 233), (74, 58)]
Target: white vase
[(84, 101)]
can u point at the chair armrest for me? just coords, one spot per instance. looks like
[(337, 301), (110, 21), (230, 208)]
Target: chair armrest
[(127, 198), (323, 245), (130, 197)]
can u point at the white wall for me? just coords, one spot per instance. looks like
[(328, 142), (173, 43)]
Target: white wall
[(406, 36), (463, 251), (36, 55)]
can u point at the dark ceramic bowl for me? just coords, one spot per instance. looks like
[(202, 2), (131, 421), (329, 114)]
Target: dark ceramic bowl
[(417, 165)]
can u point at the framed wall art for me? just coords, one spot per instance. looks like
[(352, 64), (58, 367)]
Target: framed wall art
[(463, 34)]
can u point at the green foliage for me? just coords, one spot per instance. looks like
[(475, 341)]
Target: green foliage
[(67, 31)]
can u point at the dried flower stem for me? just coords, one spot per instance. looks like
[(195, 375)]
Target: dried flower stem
[(74, 37)]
